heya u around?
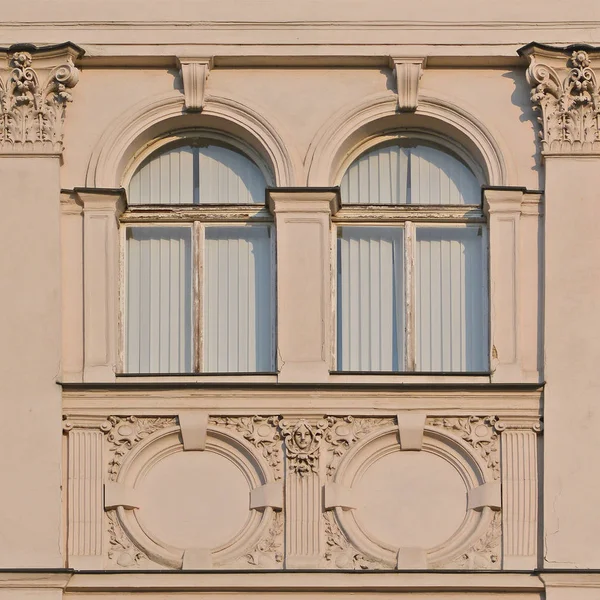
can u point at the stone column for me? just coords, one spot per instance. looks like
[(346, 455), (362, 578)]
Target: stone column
[(514, 284), (34, 91), (303, 223), (566, 93), (101, 211)]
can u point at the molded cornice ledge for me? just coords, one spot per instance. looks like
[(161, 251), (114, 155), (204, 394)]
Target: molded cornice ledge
[(194, 73), (566, 91), (34, 92)]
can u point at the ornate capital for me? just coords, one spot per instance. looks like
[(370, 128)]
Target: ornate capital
[(34, 92), (566, 91)]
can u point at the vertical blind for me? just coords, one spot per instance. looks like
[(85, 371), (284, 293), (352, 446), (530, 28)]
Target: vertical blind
[(370, 299), (451, 300), (159, 300), (197, 175), (409, 175), (237, 296), (238, 300)]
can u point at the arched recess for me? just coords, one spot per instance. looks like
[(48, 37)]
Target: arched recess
[(353, 128), (151, 119)]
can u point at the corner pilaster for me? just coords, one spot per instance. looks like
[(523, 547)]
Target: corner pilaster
[(566, 94)]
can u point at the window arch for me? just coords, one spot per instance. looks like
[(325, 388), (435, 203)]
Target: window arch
[(199, 272), (412, 288)]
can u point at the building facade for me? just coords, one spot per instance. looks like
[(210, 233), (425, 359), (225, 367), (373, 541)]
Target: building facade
[(299, 300)]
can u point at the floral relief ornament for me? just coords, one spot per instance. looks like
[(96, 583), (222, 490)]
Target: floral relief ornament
[(570, 107), (32, 113)]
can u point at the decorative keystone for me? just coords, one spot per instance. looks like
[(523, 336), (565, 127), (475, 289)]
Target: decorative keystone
[(408, 73), (194, 72)]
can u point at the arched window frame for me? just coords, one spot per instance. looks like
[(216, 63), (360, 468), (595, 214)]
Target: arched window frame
[(198, 218), (409, 218)]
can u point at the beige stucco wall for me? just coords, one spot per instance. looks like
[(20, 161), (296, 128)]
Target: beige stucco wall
[(304, 85)]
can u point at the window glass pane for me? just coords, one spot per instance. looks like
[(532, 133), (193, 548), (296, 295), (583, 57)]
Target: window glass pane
[(159, 300), (238, 300), (409, 175), (370, 312), (451, 300), (197, 175)]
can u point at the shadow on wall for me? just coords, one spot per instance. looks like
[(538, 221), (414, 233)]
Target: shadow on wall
[(520, 98)]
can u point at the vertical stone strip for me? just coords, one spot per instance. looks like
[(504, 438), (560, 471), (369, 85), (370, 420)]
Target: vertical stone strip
[(85, 506), (303, 493), (303, 226), (101, 211), (503, 208), (518, 447)]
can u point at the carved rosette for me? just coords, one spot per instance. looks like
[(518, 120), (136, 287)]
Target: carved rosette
[(569, 100), (33, 106)]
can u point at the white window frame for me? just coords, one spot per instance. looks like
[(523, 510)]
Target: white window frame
[(408, 216), (198, 220), (197, 217)]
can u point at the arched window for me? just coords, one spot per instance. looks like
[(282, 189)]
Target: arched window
[(412, 284), (199, 268)]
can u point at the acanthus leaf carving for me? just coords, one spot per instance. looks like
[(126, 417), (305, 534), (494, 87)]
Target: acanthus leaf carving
[(484, 554), (126, 433), (302, 444), (32, 112), (262, 433), (479, 432), (343, 432), (122, 552), (268, 552), (570, 105), (340, 553)]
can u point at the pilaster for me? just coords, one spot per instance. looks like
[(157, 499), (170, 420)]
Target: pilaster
[(85, 519), (519, 459), (514, 284), (101, 211), (565, 92), (303, 224), (35, 87)]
